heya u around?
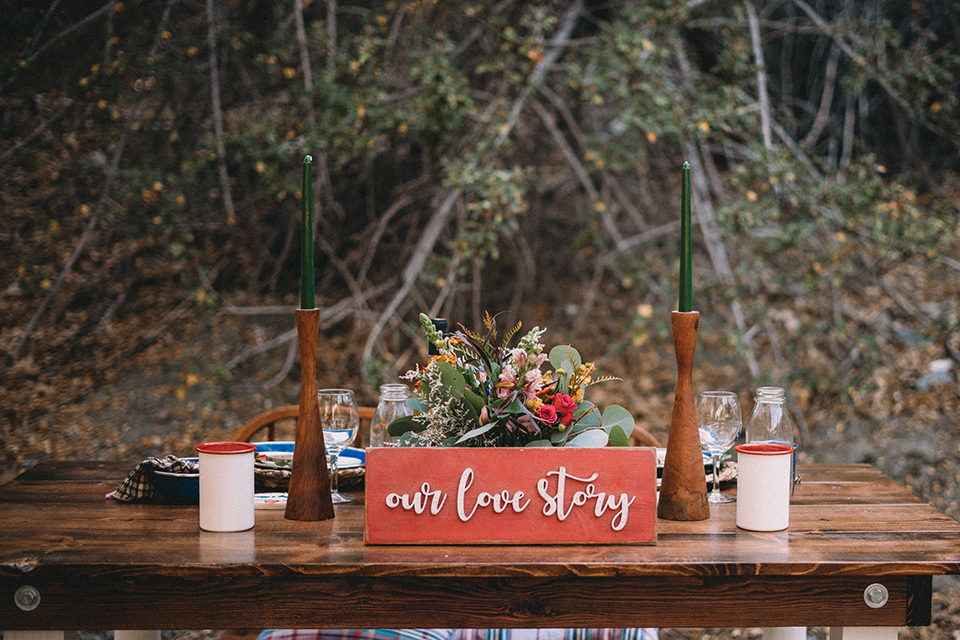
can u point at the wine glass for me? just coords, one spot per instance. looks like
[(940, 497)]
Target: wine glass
[(719, 420), (340, 419)]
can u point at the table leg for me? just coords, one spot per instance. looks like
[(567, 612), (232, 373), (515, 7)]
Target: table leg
[(785, 633), (863, 633)]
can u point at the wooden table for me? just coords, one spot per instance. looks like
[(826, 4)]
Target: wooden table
[(106, 565)]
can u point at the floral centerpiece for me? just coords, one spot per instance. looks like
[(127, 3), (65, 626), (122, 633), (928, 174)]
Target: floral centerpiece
[(478, 393)]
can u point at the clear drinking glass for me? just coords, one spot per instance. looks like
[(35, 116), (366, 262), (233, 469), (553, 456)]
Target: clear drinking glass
[(720, 421), (340, 418)]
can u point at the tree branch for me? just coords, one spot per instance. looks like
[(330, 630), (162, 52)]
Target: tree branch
[(328, 317), (761, 74), (439, 220), (218, 113)]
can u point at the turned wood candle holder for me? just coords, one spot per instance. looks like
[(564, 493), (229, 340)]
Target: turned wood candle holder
[(683, 489), (308, 497)]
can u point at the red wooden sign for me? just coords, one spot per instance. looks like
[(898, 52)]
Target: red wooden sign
[(510, 496)]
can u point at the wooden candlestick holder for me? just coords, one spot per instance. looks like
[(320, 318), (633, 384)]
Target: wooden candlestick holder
[(308, 497), (683, 489)]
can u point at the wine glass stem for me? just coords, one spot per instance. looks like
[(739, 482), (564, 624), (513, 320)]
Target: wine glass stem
[(716, 475), (334, 483)]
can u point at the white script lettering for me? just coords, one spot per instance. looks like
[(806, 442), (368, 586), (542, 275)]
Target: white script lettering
[(557, 504), (419, 500), (499, 501)]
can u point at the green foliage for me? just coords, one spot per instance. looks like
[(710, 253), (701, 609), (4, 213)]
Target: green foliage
[(483, 393), (410, 101)]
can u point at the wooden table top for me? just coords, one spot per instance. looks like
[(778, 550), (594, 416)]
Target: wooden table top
[(101, 564)]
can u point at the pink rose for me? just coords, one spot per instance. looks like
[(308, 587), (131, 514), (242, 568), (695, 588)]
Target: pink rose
[(547, 414), (564, 403)]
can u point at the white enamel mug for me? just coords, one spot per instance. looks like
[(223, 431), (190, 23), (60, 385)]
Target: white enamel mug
[(763, 486), (226, 486)]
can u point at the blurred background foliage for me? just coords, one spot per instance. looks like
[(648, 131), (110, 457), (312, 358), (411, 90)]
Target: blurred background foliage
[(517, 156)]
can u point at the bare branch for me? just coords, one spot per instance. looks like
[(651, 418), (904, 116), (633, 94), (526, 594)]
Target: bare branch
[(382, 225), (609, 181), (880, 76), (439, 220), (823, 112), (328, 316), (716, 248), (218, 113), (331, 31), (266, 310), (69, 30), (304, 59), (578, 169), (35, 133), (292, 351), (645, 236), (540, 71), (761, 74)]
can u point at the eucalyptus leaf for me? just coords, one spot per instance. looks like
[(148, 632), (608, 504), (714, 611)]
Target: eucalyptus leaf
[(403, 425), (617, 416), (617, 437), (418, 405), (562, 359), (590, 438), (589, 418), (409, 439), (473, 433), (582, 409), (574, 429), (565, 357), (539, 443), (475, 401), (451, 380)]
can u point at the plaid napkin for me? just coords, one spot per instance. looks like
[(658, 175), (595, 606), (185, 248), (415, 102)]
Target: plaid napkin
[(138, 485)]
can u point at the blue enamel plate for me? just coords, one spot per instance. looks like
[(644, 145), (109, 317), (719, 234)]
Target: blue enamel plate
[(280, 453)]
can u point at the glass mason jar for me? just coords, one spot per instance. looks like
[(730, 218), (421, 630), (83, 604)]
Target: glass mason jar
[(392, 405), (770, 422)]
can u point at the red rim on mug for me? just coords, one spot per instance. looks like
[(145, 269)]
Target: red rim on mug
[(226, 448), (764, 448)]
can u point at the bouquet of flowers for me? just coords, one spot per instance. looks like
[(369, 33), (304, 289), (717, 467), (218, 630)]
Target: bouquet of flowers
[(477, 393)]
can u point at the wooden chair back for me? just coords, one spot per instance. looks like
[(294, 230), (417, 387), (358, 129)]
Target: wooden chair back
[(272, 421)]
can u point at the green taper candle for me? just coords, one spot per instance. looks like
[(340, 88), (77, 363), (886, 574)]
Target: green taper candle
[(306, 240), (686, 257)]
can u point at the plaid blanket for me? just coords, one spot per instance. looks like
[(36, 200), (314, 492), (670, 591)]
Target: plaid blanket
[(138, 485), (459, 634)]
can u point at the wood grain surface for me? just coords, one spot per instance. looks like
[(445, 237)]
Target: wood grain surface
[(683, 492), (101, 564), (309, 492)]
